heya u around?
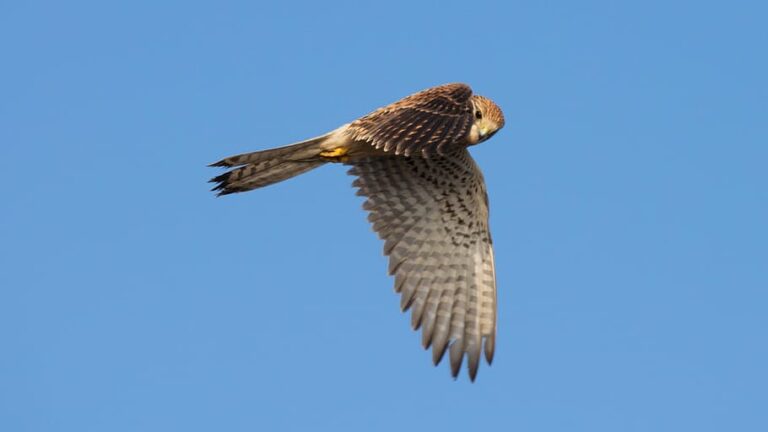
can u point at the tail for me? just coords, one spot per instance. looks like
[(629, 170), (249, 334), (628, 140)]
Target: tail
[(263, 168)]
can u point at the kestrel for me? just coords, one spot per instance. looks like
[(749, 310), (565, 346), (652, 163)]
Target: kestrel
[(427, 201)]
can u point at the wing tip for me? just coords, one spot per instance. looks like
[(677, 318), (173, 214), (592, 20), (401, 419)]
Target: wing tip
[(220, 164), (473, 374), (224, 187), (490, 348)]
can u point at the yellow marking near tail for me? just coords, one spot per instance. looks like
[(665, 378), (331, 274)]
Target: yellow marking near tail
[(338, 154)]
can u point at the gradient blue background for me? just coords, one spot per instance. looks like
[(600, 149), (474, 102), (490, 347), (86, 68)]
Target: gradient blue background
[(628, 196)]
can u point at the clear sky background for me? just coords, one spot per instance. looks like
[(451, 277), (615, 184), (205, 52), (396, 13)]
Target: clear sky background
[(628, 197)]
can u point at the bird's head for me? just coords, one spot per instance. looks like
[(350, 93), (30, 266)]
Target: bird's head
[(488, 119)]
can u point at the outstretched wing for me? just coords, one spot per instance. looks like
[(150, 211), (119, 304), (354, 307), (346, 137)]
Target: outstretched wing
[(433, 215), (433, 121)]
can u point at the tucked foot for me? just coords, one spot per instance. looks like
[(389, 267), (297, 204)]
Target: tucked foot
[(339, 154)]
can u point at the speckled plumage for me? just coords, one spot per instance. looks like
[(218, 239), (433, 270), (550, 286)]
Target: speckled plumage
[(433, 216), (426, 199), (435, 120)]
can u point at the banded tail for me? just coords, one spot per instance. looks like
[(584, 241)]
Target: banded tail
[(266, 167)]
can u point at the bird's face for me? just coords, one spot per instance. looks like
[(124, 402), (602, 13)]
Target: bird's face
[(488, 119)]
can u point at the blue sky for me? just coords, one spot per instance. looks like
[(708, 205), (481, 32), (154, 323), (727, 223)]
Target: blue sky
[(628, 198)]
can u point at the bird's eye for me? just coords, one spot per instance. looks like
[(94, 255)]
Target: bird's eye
[(478, 114)]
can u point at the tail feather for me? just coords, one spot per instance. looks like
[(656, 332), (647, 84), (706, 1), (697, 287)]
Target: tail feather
[(266, 167)]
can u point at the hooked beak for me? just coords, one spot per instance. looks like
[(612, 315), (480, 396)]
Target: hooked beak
[(484, 135)]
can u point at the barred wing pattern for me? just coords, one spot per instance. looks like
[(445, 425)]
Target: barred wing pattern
[(433, 215), (433, 121)]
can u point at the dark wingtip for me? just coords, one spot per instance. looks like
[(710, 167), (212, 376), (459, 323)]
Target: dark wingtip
[(472, 373), (222, 163), (223, 187), (490, 345), (455, 369), (221, 178), (224, 190), (437, 356), (455, 372)]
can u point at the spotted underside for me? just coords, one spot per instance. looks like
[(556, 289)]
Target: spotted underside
[(433, 121), (433, 215)]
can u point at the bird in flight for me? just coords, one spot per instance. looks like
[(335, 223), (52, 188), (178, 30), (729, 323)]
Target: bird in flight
[(426, 199)]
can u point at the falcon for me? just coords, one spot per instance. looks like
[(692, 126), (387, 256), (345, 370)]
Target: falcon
[(426, 199)]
